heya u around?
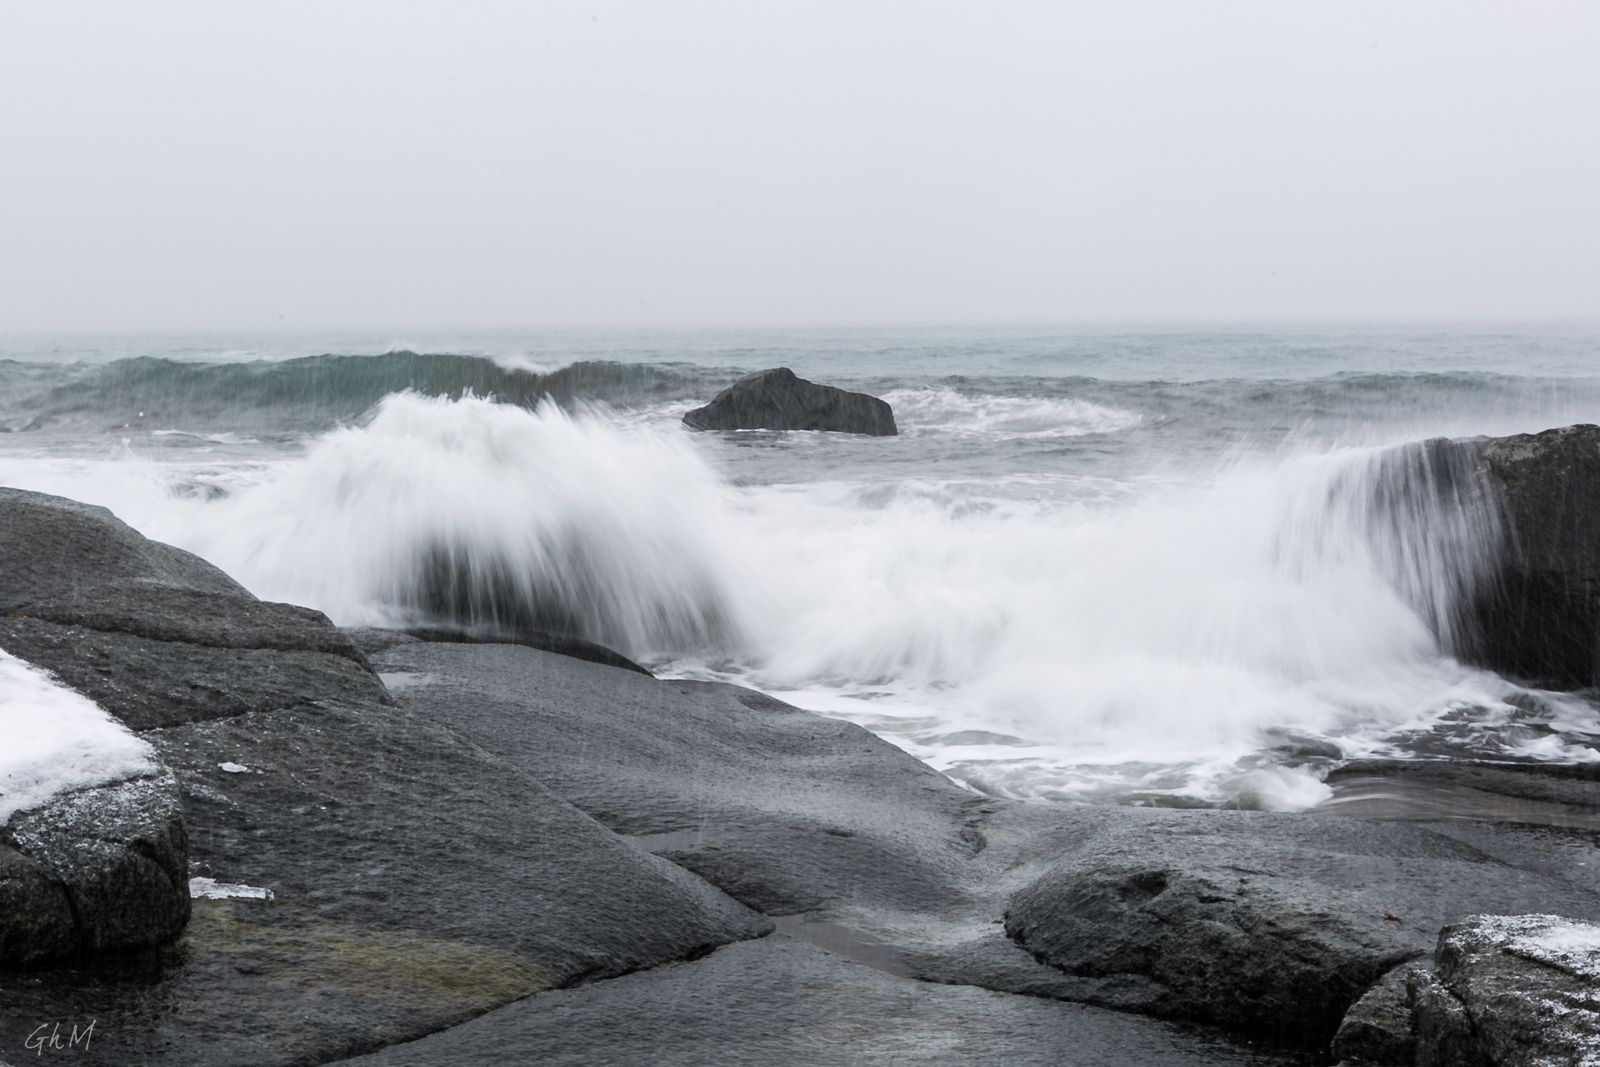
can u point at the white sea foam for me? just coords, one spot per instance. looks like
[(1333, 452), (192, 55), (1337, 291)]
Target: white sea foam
[(947, 411), (1133, 643), (53, 740)]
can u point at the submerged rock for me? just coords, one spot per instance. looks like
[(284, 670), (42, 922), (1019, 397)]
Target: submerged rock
[(779, 400)]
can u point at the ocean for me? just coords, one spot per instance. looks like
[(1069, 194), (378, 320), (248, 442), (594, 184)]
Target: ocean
[(1118, 564)]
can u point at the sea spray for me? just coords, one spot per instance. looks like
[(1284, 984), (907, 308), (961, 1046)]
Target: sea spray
[(1317, 594), (1034, 633), (489, 516)]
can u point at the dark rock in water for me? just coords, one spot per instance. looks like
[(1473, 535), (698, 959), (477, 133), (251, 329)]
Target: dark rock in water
[(781, 1001), (1264, 923), (1539, 618), (115, 856), (574, 597), (779, 400)]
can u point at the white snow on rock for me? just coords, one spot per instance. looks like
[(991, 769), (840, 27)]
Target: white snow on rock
[(53, 740), (212, 889), (233, 768), (1572, 946)]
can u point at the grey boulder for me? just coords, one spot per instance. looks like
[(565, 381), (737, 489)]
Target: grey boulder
[(1265, 923), (1502, 991)]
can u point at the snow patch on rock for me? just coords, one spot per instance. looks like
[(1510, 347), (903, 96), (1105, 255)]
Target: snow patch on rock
[(57, 741)]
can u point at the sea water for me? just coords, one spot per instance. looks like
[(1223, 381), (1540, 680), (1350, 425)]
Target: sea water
[(1156, 565)]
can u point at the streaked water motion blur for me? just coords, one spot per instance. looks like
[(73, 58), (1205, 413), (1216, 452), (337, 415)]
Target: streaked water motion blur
[(1160, 566)]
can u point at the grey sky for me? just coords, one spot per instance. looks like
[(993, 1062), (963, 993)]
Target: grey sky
[(387, 164)]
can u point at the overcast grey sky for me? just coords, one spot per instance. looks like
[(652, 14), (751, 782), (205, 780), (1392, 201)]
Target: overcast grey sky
[(399, 164)]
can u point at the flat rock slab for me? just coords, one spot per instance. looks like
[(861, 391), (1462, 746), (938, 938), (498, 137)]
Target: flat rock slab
[(781, 1001), (1265, 923), (785, 810), (777, 399)]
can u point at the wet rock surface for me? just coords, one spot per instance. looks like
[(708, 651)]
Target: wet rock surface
[(1539, 615), (784, 809), (777, 399), (115, 856), (778, 1000), (57, 548), (1264, 923), (1512, 990), (400, 878)]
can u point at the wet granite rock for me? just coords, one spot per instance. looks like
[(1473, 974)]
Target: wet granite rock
[(1537, 616), (53, 547), (783, 809), (1270, 924), (1380, 1027), (777, 399), (151, 633), (1512, 990), (36, 920), (1506, 990), (782, 1001), (408, 879), (149, 684), (94, 870)]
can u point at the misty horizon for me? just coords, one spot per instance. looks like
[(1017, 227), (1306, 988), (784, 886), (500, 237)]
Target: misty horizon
[(190, 168)]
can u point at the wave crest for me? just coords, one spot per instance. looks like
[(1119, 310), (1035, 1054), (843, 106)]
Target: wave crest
[(489, 515)]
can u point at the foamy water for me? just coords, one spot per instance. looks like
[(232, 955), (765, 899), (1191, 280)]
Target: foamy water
[(1047, 586)]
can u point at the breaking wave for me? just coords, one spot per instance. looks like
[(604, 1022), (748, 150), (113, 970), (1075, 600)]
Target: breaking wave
[(1161, 644), (309, 393)]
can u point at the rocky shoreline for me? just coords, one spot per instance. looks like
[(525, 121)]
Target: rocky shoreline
[(465, 851)]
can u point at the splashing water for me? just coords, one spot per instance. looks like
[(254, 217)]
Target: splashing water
[(1180, 638)]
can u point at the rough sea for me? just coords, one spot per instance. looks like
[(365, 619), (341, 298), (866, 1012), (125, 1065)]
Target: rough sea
[(1146, 565)]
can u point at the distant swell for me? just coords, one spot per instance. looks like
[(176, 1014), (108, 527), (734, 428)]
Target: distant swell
[(310, 393)]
